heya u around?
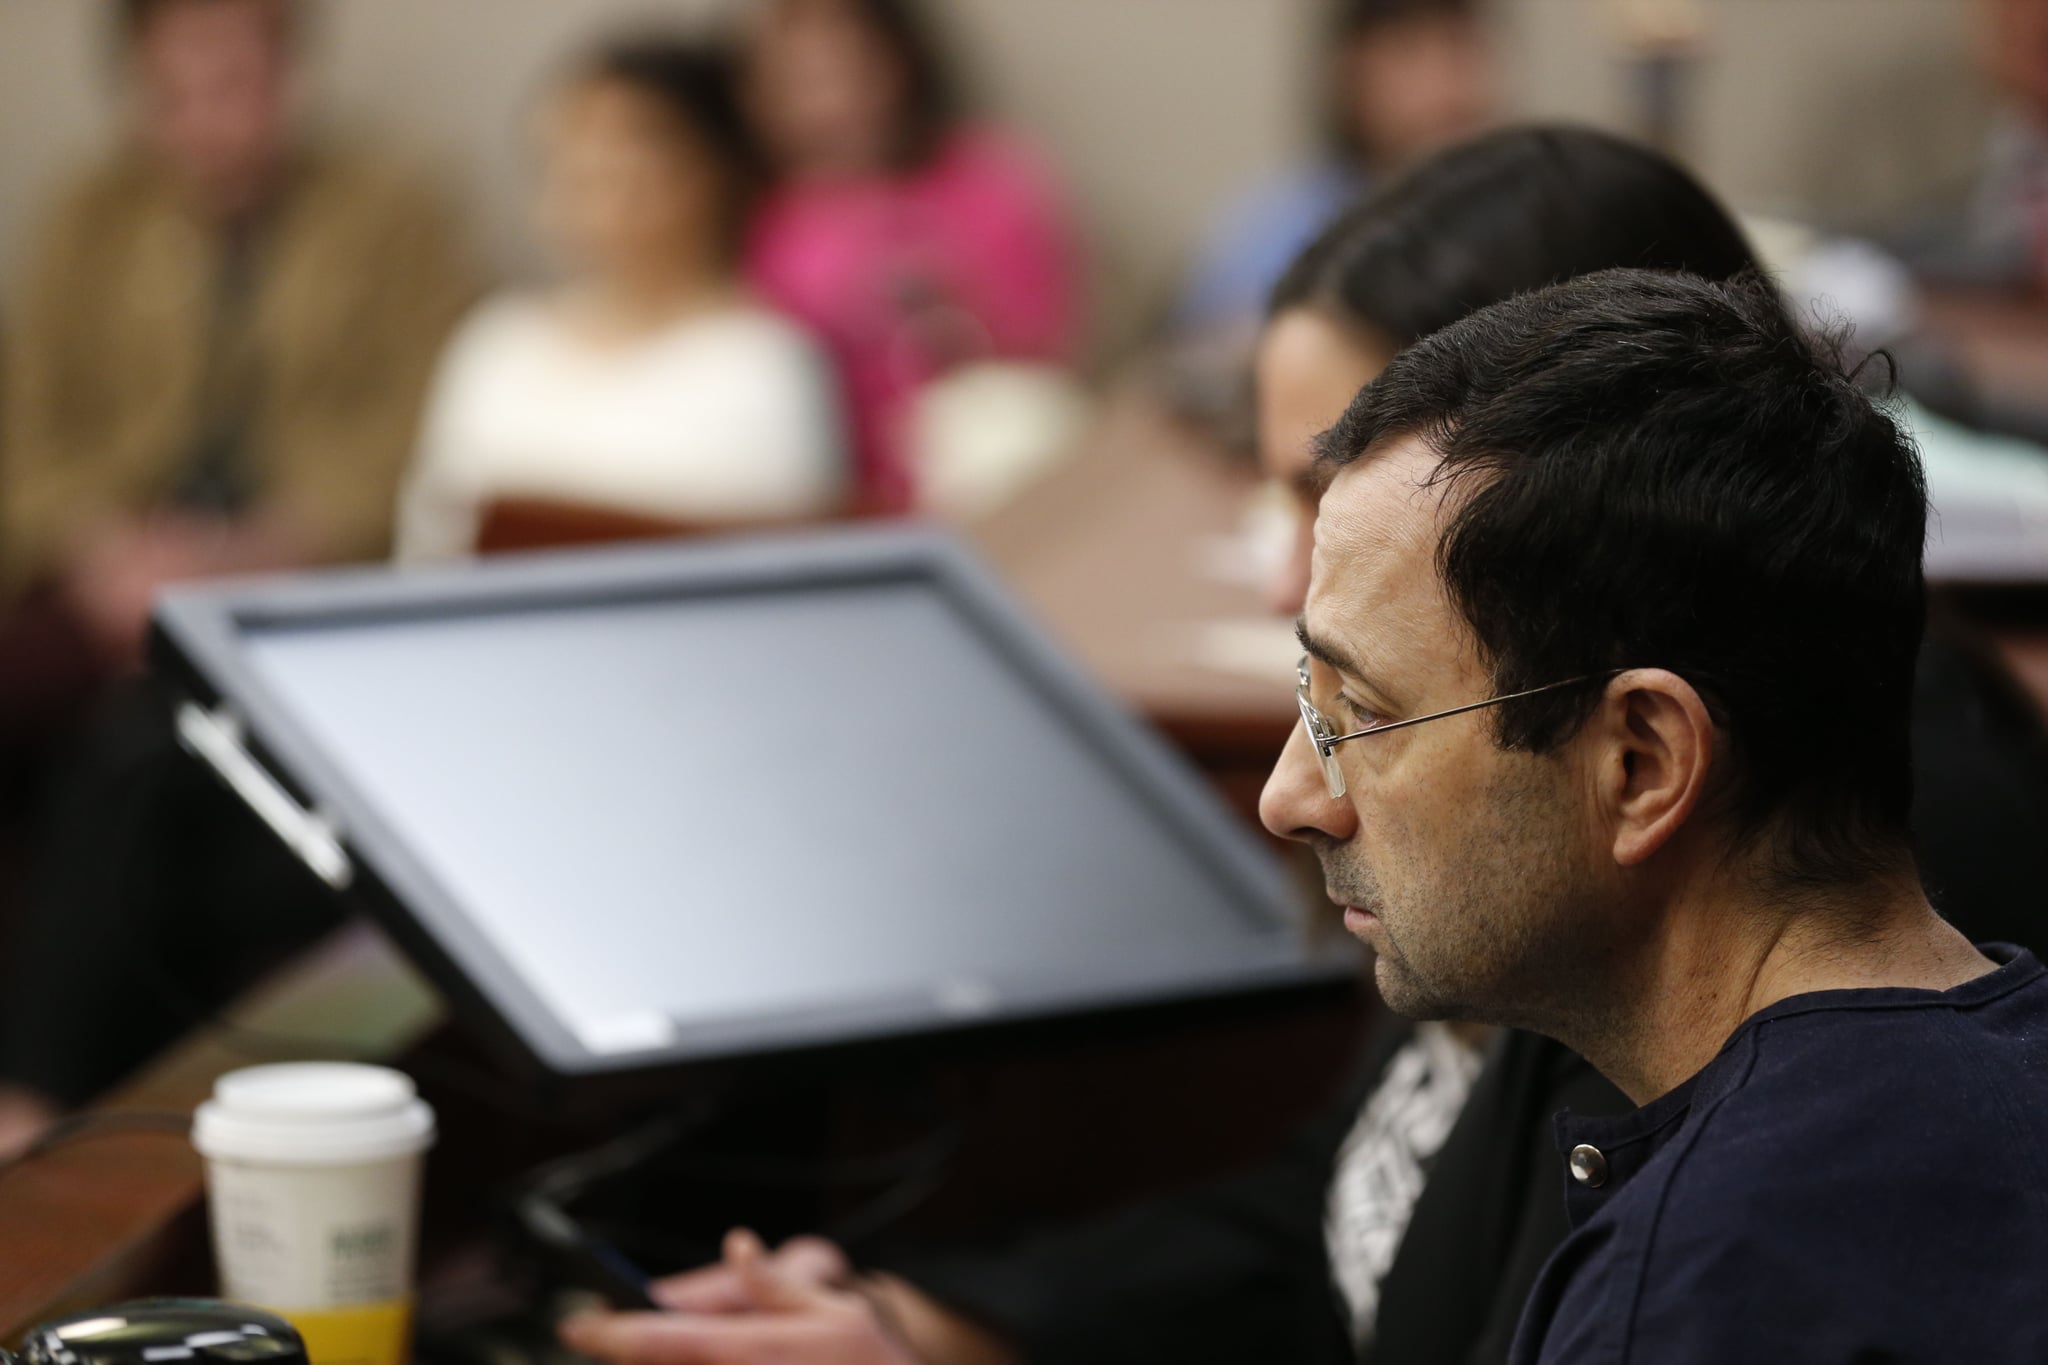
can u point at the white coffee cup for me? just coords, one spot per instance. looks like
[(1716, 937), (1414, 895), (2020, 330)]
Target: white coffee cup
[(313, 1178)]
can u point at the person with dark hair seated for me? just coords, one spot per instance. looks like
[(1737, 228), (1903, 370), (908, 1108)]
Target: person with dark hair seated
[(1986, 232), (1404, 79), (915, 242), (647, 380), (1610, 639), (1408, 1222)]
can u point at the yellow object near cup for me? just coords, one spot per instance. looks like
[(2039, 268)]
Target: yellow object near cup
[(313, 1179)]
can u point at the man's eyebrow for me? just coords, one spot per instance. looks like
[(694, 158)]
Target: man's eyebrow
[(1335, 655)]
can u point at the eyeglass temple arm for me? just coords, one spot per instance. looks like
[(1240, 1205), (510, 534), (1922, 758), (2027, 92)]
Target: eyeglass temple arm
[(1470, 706)]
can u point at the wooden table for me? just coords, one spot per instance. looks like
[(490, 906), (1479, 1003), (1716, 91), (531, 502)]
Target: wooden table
[(1124, 553), (1128, 554)]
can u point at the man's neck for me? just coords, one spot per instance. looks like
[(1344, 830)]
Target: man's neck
[(1724, 951)]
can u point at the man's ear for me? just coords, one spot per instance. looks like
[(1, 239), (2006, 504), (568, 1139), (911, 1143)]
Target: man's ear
[(1656, 752)]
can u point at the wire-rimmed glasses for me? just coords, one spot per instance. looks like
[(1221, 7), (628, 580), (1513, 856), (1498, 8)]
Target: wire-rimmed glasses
[(1325, 738)]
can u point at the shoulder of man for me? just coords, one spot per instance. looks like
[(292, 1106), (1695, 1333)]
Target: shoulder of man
[(1864, 1184)]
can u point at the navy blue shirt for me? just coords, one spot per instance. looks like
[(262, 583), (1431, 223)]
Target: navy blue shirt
[(1857, 1176)]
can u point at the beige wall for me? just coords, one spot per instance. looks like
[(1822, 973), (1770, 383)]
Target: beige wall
[(1838, 108)]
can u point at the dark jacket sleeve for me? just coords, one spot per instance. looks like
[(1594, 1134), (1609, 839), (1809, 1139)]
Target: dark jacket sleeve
[(1980, 791), (1228, 1273)]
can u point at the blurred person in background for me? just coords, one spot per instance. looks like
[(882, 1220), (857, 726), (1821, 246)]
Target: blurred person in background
[(221, 347), (1405, 79), (914, 242), (215, 364), (2000, 237), (646, 380), (1406, 1225)]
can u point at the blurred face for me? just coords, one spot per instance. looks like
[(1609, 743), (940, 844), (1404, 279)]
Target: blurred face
[(2015, 51), (629, 193), (1412, 88), (826, 91), (1460, 863), (1307, 371), (213, 97)]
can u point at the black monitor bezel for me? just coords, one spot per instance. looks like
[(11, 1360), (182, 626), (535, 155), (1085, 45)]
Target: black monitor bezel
[(197, 641)]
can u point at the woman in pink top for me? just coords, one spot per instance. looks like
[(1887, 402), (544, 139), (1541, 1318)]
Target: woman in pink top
[(909, 243)]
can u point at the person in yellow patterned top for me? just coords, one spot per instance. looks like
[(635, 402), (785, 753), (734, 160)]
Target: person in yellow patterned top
[(214, 364), (217, 359)]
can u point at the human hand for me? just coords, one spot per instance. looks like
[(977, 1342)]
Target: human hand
[(112, 572), (718, 1288), (115, 568), (753, 1309), (25, 1116)]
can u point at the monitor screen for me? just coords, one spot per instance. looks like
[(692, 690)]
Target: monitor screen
[(692, 819)]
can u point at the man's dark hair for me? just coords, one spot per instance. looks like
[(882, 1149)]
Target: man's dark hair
[(133, 17), (1503, 214), (698, 86), (1655, 470)]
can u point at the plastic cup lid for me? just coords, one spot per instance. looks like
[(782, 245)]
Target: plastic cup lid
[(313, 1114)]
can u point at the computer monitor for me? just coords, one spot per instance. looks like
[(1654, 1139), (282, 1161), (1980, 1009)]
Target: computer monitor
[(639, 807)]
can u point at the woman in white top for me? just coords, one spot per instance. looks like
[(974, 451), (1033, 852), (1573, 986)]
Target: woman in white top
[(646, 381)]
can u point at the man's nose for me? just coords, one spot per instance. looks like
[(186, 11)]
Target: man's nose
[(1296, 803)]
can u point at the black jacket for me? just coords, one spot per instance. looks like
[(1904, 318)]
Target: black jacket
[(1237, 1271)]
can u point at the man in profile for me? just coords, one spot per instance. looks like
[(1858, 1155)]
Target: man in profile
[(1649, 568), (1610, 640), (215, 364)]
